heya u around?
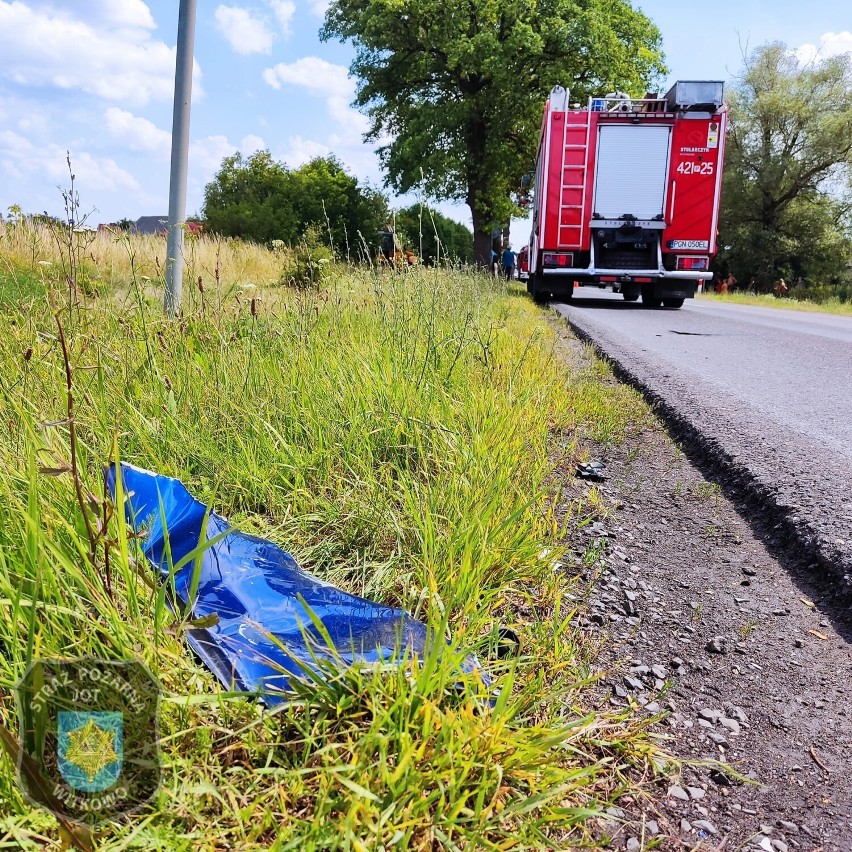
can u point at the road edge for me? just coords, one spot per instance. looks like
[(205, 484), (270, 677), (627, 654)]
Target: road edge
[(780, 526)]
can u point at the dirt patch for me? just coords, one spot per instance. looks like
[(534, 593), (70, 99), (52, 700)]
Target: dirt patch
[(742, 652)]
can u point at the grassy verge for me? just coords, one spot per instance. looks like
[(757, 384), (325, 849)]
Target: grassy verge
[(831, 306), (392, 432)]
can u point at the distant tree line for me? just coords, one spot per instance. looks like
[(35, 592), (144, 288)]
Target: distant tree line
[(259, 199), (787, 191)]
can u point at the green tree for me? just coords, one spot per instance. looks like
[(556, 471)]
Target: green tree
[(786, 197), (323, 194), (249, 198), (262, 200), (435, 237), (458, 86)]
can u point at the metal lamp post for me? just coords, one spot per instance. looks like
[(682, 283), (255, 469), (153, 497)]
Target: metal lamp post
[(180, 156)]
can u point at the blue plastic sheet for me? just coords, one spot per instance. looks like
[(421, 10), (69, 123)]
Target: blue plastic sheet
[(263, 634)]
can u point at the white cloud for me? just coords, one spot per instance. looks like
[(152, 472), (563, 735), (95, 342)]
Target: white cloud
[(245, 33), (356, 124), (327, 80), (206, 155), (117, 13), (250, 144), (300, 151), (123, 14), (317, 75), (19, 156), (284, 11), (332, 83), (136, 133), (319, 7), (111, 54), (830, 44)]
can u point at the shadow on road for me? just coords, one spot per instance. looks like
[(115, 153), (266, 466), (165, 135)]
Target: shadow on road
[(606, 304)]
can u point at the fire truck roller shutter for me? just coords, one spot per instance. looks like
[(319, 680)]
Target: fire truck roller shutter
[(631, 170)]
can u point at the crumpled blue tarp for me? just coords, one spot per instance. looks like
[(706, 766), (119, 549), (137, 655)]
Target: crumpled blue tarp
[(254, 587)]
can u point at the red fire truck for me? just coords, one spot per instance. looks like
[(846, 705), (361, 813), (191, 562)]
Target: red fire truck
[(626, 194), (524, 263)]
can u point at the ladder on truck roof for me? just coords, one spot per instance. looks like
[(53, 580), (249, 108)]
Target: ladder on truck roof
[(575, 178)]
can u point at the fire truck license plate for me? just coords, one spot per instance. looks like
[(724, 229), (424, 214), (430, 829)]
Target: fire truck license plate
[(689, 244)]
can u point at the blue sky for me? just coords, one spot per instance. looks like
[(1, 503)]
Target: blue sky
[(95, 77)]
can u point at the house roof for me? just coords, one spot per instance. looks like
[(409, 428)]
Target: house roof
[(151, 224)]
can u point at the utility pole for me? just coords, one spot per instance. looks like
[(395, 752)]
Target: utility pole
[(180, 156)]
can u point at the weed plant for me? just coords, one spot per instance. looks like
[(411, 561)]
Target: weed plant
[(392, 431)]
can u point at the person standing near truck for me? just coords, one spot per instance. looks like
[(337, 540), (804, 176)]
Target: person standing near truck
[(509, 263), (389, 245)]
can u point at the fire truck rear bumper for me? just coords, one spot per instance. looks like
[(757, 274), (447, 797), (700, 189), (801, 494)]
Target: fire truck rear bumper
[(626, 275)]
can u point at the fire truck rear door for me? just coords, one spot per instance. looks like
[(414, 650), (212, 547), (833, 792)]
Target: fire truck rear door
[(631, 170)]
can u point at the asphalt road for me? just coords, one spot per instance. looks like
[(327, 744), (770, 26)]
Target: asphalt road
[(764, 393)]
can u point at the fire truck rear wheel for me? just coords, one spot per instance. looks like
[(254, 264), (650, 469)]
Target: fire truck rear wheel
[(630, 297), (649, 300), (540, 296), (673, 303)]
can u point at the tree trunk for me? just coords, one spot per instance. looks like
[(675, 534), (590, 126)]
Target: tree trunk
[(482, 238), (481, 245)]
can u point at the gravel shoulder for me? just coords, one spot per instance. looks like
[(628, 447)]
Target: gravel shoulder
[(710, 620)]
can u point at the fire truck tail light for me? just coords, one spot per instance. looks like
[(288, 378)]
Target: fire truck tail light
[(694, 263), (557, 259)]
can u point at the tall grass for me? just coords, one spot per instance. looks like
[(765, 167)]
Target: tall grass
[(395, 433)]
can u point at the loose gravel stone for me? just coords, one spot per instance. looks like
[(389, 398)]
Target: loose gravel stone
[(695, 792), (779, 845), (717, 645), (685, 826), (678, 793), (704, 825), (732, 711), (720, 778), (789, 827), (731, 724), (633, 845), (653, 827)]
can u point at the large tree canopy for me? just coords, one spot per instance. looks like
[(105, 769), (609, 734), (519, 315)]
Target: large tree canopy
[(786, 194), (260, 199), (455, 89)]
